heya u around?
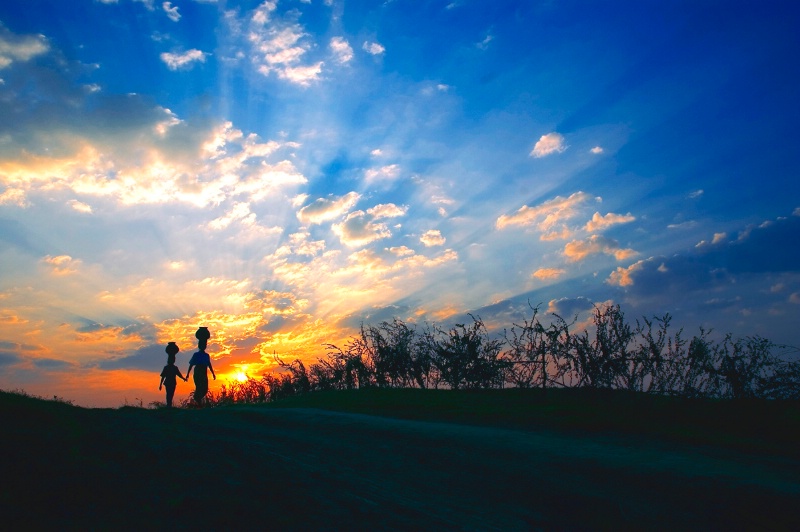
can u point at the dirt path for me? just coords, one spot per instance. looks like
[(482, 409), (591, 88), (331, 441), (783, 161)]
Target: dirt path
[(303, 469)]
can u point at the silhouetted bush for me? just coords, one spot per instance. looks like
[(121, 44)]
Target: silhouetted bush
[(610, 353)]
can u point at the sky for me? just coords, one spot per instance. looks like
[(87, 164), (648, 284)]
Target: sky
[(283, 171)]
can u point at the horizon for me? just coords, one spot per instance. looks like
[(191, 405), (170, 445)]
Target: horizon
[(282, 171)]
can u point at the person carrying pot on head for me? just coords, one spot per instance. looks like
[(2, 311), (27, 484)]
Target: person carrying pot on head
[(201, 362), (170, 373)]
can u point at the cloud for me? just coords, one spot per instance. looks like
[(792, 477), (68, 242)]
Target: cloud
[(578, 250), (484, 44), (624, 276), (326, 209), (173, 162), (62, 264), (548, 274), (600, 223), (359, 229), (373, 48), (239, 213), (432, 237), (14, 196), (387, 210), (384, 173), (80, 206), (148, 4), (279, 46), (548, 144), (178, 61), (596, 150), (770, 247), (52, 364), (696, 194), (15, 48), (548, 214), (341, 49), (568, 307), (8, 358), (150, 357), (172, 12), (689, 224), (401, 251), (299, 244)]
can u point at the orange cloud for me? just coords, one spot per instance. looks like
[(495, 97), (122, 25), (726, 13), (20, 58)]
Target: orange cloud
[(580, 249), (548, 273), (600, 223)]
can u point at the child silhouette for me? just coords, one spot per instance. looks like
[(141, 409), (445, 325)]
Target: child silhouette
[(170, 373)]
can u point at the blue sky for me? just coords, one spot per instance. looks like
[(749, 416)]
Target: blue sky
[(281, 171)]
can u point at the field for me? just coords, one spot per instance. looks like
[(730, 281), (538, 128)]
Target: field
[(403, 460)]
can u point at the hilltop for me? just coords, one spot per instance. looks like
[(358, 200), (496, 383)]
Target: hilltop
[(402, 459)]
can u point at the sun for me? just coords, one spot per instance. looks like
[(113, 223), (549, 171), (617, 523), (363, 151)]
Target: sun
[(240, 376)]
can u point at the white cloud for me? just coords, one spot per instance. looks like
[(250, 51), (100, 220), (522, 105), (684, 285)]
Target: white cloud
[(696, 194), (432, 237), (301, 245), (373, 48), (342, 51), (301, 75), (171, 11), (177, 61), (596, 150), (280, 45), (80, 206), (548, 214), (326, 209), (204, 170), (683, 225), (484, 44), (548, 144), (600, 223), (15, 48), (360, 229), (401, 251), (385, 173), (387, 210), (240, 212)]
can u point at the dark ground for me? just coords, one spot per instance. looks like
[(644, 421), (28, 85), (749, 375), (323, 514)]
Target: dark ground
[(270, 468)]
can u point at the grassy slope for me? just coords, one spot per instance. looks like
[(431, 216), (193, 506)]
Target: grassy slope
[(132, 468), (753, 426)]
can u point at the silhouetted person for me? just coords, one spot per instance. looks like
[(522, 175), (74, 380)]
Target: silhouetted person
[(170, 373), (201, 362)]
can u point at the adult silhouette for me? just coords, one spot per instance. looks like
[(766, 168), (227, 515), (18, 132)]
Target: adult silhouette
[(201, 362)]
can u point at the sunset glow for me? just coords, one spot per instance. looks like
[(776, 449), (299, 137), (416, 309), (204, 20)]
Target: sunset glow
[(282, 171)]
